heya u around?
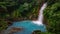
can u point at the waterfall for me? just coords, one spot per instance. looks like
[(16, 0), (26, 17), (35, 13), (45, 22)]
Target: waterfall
[(29, 26), (40, 16)]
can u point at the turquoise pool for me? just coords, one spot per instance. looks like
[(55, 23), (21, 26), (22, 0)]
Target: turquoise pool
[(28, 27)]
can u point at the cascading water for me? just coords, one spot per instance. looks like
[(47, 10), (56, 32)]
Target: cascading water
[(28, 26), (40, 16)]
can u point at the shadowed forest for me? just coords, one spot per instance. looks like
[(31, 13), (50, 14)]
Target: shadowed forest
[(18, 10)]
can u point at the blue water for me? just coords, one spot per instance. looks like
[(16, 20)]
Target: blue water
[(28, 27)]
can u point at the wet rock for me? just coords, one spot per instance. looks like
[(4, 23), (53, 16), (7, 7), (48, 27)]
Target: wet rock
[(14, 30)]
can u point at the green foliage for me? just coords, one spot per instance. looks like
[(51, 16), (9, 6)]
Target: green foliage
[(8, 2), (38, 32), (25, 9), (3, 25), (52, 13), (29, 9), (46, 33), (12, 9)]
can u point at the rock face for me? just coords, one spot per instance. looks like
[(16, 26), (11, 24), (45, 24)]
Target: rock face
[(25, 27)]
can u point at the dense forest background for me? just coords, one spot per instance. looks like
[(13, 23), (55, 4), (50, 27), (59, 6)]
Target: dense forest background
[(17, 10)]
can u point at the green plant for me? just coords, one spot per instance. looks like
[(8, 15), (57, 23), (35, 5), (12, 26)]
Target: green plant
[(3, 25), (52, 13)]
